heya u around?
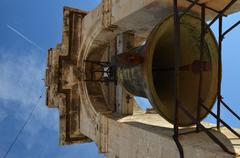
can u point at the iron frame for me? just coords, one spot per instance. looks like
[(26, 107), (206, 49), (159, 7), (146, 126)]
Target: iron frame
[(110, 71), (178, 106)]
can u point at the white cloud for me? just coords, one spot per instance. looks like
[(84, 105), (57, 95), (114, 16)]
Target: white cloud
[(20, 87), (20, 76)]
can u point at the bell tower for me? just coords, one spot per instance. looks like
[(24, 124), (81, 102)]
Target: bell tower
[(163, 51)]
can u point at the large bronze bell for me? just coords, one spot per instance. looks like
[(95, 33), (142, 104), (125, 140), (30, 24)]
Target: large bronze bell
[(148, 70)]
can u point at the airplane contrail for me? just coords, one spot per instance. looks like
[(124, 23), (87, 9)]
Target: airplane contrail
[(24, 37)]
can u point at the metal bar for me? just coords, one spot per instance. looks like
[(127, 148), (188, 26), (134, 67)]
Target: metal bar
[(212, 136), (202, 37), (102, 71), (219, 73), (177, 61), (108, 86), (199, 4), (188, 8), (176, 75), (180, 148), (229, 109), (224, 123), (97, 62), (231, 28), (194, 131), (100, 63), (102, 81), (220, 14), (189, 132)]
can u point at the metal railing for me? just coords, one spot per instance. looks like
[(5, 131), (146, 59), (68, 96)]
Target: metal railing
[(220, 102)]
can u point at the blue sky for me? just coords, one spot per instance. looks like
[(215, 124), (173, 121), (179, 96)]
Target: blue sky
[(231, 76), (22, 68)]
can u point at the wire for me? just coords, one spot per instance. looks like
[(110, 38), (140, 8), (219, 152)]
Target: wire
[(24, 125)]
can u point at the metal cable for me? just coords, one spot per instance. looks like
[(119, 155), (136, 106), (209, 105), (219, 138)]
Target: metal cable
[(22, 128)]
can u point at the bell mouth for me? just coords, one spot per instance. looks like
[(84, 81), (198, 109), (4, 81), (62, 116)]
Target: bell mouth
[(159, 69)]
